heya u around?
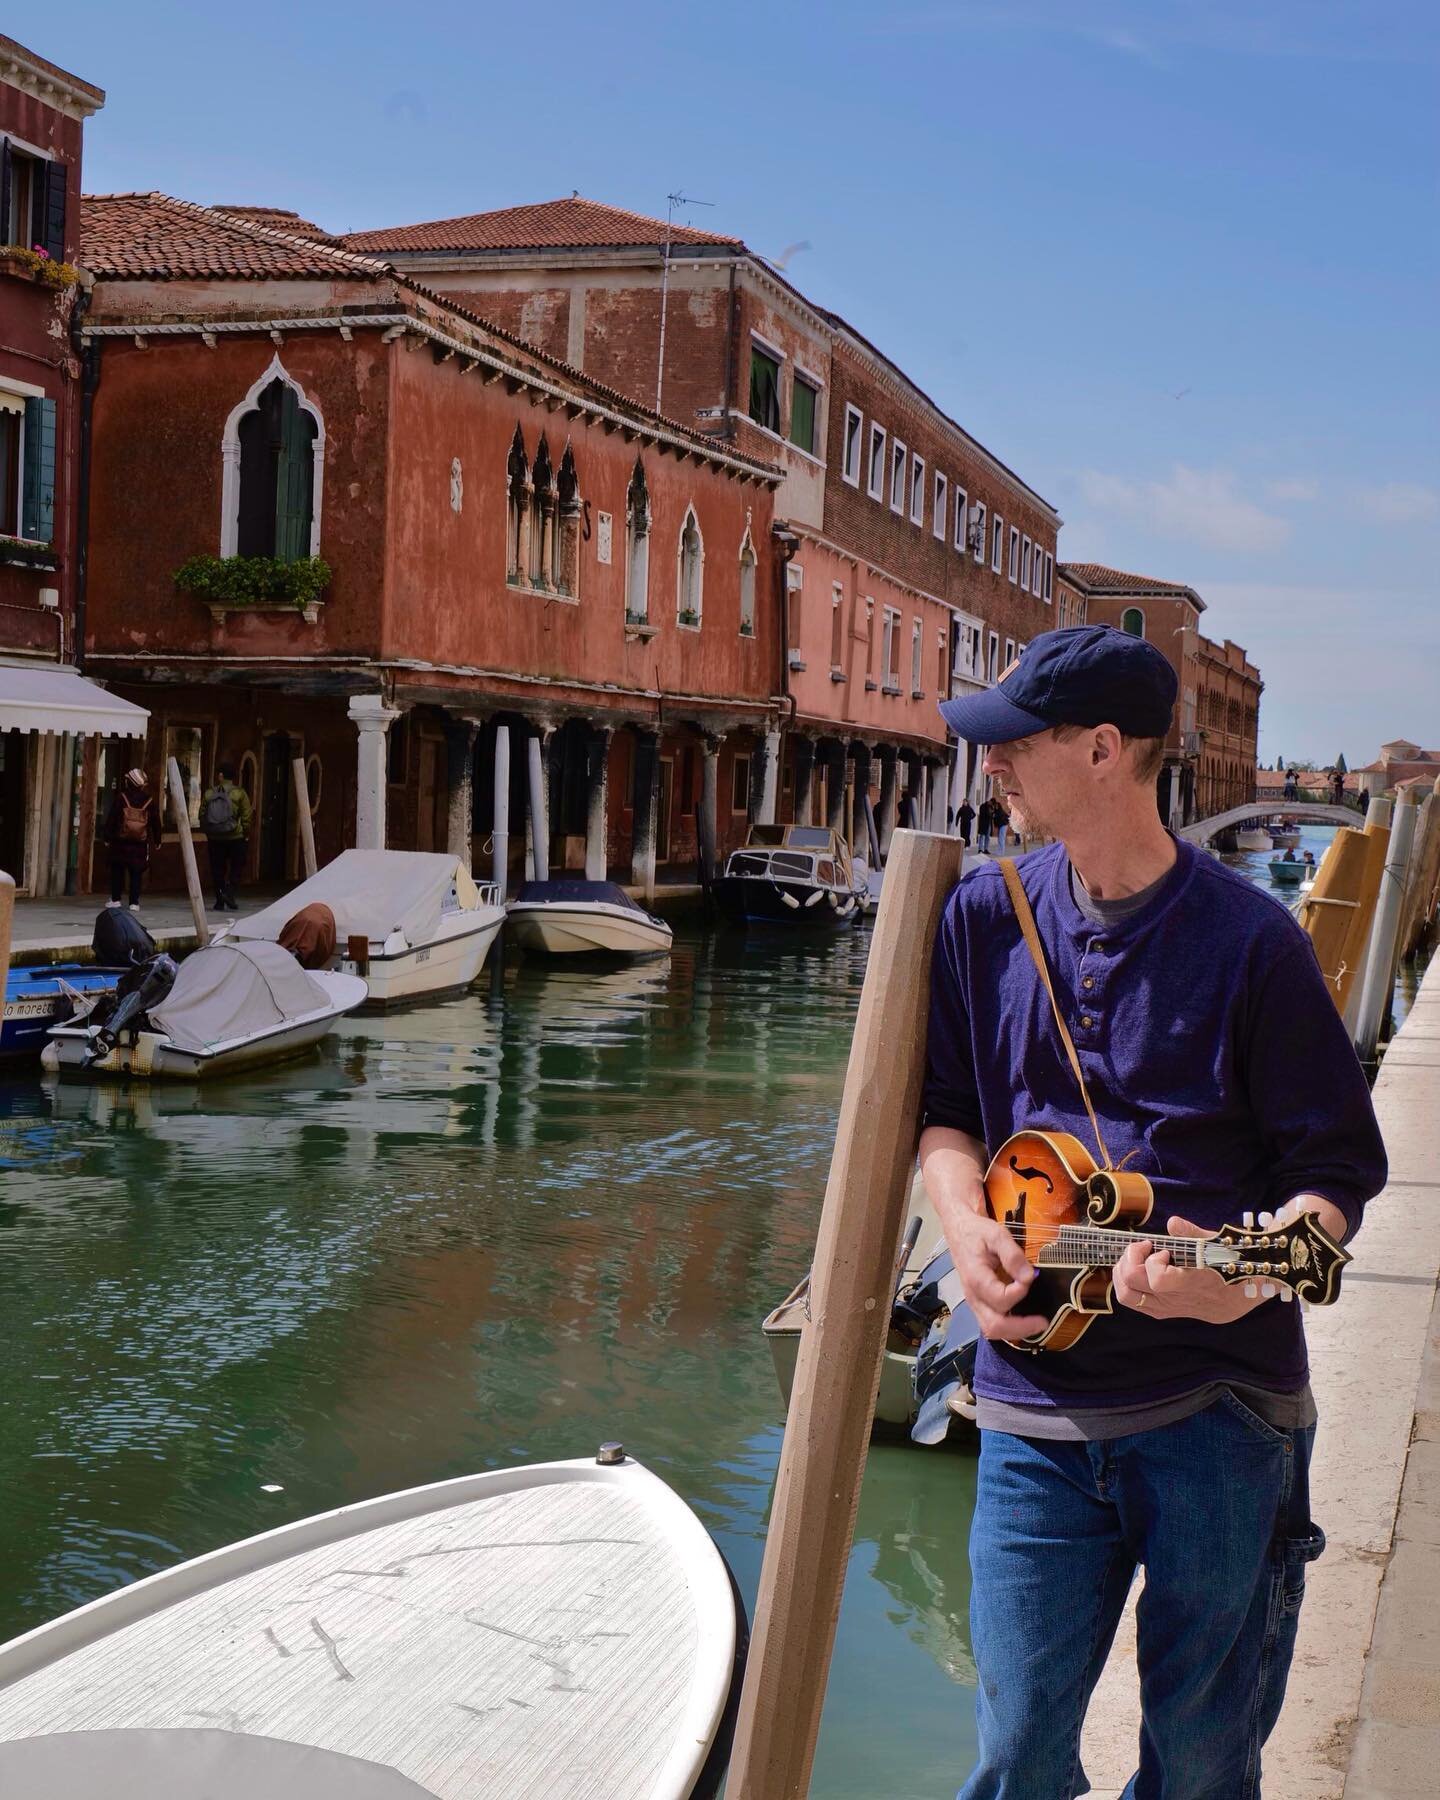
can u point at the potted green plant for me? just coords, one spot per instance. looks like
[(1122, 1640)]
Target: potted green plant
[(235, 583)]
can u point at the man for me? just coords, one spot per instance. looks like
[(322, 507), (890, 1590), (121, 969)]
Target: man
[(966, 816), (982, 826), (1000, 819), (225, 819), (1176, 1433)]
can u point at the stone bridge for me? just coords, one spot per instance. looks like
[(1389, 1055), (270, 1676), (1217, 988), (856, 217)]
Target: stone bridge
[(1312, 812)]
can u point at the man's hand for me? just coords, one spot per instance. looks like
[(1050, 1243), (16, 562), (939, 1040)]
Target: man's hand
[(995, 1274), (1146, 1281)]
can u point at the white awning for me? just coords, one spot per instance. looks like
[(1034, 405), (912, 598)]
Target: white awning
[(59, 700)]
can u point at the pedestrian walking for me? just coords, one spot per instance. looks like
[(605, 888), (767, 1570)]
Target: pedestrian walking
[(131, 832), (966, 816), (225, 819), (983, 824), (1001, 819), (1176, 1431), (1292, 786), (1364, 798)]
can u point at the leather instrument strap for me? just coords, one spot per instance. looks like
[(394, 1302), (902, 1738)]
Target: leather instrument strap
[(1021, 903)]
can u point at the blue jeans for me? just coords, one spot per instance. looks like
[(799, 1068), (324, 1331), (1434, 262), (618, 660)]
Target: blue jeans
[(1217, 1509)]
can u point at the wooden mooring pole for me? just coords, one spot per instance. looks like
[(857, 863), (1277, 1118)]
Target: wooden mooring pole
[(1380, 962), (179, 801), (837, 1374), (302, 807), (7, 926)]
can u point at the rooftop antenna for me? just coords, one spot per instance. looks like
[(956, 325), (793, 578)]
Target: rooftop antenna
[(671, 202)]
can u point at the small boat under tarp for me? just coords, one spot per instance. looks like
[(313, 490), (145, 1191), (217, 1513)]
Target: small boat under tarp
[(568, 1629), (568, 917), (413, 923), (36, 999), (228, 1007), (792, 875)]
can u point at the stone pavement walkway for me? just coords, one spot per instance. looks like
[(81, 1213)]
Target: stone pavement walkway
[(60, 930), (1362, 1714)]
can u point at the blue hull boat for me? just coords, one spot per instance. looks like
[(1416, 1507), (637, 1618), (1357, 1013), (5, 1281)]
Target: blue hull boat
[(35, 1000)]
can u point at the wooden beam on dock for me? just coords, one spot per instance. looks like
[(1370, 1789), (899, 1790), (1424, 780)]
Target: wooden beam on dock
[(302, 807), (181, 804), (837, 1373)]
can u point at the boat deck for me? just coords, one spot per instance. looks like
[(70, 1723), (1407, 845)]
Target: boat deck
[(532, 1642)]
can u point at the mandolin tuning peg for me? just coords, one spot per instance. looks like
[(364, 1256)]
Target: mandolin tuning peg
[(1267, 1290), (1286, 1295), (1267, 1221), (1250, 1290), (1248, 1220)]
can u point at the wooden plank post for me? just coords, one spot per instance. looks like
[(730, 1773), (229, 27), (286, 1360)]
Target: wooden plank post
[(302, 808), (7, 926), (837, 1374), (180, 804)]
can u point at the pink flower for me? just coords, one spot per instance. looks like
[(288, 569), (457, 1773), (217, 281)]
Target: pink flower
[(41, 252)]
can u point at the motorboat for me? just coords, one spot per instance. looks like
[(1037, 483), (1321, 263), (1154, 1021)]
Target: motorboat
[(228, 1007), (563, 1628), (1284, 836), (793, 875), (576, 918), (412, 923), (1287, 874), (1253, 837), (36, 999), (929, 1357)]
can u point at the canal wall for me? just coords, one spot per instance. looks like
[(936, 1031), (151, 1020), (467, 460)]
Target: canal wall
[(1362, 1716)]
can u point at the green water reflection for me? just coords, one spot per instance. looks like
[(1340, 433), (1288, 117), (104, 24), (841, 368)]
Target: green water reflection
[(493, 1231)]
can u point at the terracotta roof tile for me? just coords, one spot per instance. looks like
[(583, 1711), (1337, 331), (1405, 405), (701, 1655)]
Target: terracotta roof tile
[(553, 224), (1098, 578), (138, 236), (278, 218)]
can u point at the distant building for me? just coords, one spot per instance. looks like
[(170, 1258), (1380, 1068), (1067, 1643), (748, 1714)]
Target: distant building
[(918, 562), (46, 711), (1399, 762)]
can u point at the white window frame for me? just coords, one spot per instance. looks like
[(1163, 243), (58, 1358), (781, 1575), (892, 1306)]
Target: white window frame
[(230, 458), (817, 387), (1009, 653), (917, 658), (847, 473), (983, 520), (837, 612), (1049, 594), (997, 537), (1012, 568), (917, 490), (961, 501), (690, 515), (1025, 562), (747, 548), (878, 454), (940, 504), (1037, 572), (890, 649), (992, 657), (899, 462)]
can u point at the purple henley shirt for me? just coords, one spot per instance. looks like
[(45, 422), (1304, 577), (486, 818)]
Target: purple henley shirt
[(1212, 1051)]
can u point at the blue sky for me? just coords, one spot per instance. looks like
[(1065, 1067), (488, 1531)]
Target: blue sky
[(1177, 264)]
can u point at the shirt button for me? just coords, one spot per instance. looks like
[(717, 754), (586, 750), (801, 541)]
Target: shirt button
[(1088, 982), (1086, 1020)]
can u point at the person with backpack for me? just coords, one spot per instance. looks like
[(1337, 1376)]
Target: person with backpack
[(132, 830), (984, 824), (225, 820)]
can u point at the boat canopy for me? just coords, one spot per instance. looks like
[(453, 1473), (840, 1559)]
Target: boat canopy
[(372, 893), (795, 837), (231, 990), (576, 893)]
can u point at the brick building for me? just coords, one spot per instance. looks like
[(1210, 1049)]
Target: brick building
[(1399, 761), (45, 708), (1210, 753), (507, 551), (917, 562)]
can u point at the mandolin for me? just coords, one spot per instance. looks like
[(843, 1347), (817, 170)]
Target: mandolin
[(1075, 1220)]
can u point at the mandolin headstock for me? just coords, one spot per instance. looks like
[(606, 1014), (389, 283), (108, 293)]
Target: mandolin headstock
[(1301, 1256)]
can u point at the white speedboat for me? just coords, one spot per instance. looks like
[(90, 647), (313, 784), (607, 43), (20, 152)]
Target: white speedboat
[(413, 923), (565, 1628), (1253, 838), (229, 1007), (574, 918)]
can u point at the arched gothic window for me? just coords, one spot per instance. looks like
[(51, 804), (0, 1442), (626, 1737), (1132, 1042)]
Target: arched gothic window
[(273, 461), (568, 511), (748, 562), (691, 570), (1133, 621), (542, 518), (637, 548), (517, 511)]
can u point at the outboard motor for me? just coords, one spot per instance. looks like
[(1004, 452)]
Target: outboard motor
[(120, 941), (144, 986)]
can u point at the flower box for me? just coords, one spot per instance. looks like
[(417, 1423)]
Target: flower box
[(689, 616), (25, 553), (256, 584)]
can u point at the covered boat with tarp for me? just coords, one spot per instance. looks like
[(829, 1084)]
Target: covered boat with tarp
[(413, 923), (575, 918), (228, 1007), (792, 875)]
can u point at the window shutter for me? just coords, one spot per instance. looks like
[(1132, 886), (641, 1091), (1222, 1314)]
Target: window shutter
[(37, 496), (4, 190), (293, 480), (51, 193)]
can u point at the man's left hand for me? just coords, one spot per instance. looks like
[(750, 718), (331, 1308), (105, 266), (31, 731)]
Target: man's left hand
[(1147, 1281)]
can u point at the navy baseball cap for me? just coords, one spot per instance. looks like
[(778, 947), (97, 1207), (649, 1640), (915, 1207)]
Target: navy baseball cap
[(1083, 675)]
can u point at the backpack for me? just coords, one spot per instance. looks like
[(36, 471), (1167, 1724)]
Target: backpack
[(134, 820), (218, 818)]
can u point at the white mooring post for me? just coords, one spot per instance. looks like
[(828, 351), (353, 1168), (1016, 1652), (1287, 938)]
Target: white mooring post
[(539, 829), (500, 834), (1380, 962)]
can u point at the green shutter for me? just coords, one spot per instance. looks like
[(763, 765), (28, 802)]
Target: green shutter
[(37, 483), (764, 389), (294, 480), (802, 416)]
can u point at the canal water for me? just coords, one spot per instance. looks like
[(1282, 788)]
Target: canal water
[(494, 1231)]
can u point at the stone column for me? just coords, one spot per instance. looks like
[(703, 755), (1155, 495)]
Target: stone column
[(862, 803), (645, 815), (596, 852), (804, 779), (460, 771), (372, 719), (765, 777), (835, 786), (709, 806), (500, 827), (537, 827), (940, 797), (889, 795)]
